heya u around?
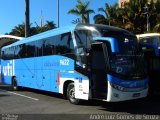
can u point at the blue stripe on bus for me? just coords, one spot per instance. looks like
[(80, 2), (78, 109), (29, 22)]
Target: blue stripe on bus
[(127, 83)]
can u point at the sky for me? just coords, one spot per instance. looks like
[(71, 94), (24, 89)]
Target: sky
[(12, 12)]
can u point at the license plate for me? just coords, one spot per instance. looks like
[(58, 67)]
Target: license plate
[(136, 94)]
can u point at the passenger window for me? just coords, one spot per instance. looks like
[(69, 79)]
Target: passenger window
[(30, 49), (17, 52), (39, 47), (83, 38), (49, 46), (64, 44)]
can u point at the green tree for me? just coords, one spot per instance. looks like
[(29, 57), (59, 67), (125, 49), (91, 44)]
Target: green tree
[(132, 16), (48, 26), (19, 30), (82, 11), (109, 16), (157, 9)]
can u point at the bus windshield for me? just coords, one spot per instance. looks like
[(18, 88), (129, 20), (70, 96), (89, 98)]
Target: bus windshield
[(151, 40), (128, 62), (127, 66)]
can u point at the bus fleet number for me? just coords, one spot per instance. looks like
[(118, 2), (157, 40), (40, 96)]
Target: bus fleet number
[(64, 62)]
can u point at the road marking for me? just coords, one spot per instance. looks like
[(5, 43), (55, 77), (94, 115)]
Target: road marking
[(20, 95)]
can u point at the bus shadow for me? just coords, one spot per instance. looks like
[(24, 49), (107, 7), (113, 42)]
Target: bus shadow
[(149, 106), (5, 87), (23, 89), (2, 95), (41, 92)]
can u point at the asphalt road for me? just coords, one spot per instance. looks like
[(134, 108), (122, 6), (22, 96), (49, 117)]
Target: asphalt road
[(33, 102)]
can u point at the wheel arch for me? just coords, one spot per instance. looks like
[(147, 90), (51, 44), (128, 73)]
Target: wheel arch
[(12, 79), (65, 85)]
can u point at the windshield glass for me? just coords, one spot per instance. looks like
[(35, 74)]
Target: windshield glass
[(126, 41), (151, 40), (128, 66), (83, 38), (128, 62)]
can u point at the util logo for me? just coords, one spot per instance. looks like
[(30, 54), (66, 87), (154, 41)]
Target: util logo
[(9, 69)]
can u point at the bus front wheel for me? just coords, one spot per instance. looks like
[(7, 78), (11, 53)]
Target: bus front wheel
[(71, 94), (14, 84)]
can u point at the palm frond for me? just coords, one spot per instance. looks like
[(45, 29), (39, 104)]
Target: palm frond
[(74, 11)]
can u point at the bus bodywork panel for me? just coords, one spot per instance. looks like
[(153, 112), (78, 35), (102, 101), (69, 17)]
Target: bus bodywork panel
[(39, 72), (46, 73), (120, 90)]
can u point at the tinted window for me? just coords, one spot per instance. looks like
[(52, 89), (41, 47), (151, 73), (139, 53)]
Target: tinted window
[(60, 44), (30, 49), (8, 53), (39, 47), (126, 41), (17, 52), (5, 54), (64, 44), (49, 46), (83, 38)]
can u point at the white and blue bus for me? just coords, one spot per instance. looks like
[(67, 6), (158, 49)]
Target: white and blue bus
[(80, 61), (150, 45)]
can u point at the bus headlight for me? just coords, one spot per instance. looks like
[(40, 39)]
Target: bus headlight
[(117, 87)]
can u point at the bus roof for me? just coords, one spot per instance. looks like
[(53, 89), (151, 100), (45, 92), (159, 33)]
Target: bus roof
[(148, 35), (11, 36), (8, 39), (46, 34), (62, 30)]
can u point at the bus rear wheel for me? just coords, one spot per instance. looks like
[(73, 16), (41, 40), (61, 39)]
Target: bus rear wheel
[(14, 84), (71, 94)]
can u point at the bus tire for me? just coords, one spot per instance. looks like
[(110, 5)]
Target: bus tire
[(71, 94), (14, 84)]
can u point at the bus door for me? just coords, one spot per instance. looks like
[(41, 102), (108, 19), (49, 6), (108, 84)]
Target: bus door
[(98, 70)]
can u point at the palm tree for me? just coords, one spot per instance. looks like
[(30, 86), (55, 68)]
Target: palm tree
[(132, 16), (82, 11), (100, 19), (157, 9), (110, 14), (50, 25), (18, 30), (157, 26)]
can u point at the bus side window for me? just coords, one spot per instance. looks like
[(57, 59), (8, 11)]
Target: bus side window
[(30, 49), (49, 46), (17, 52), (64, 44), (23, 52), (67, 43), (39, 48), (83, 38), (11, 53), (3, 55), (59, 47)]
